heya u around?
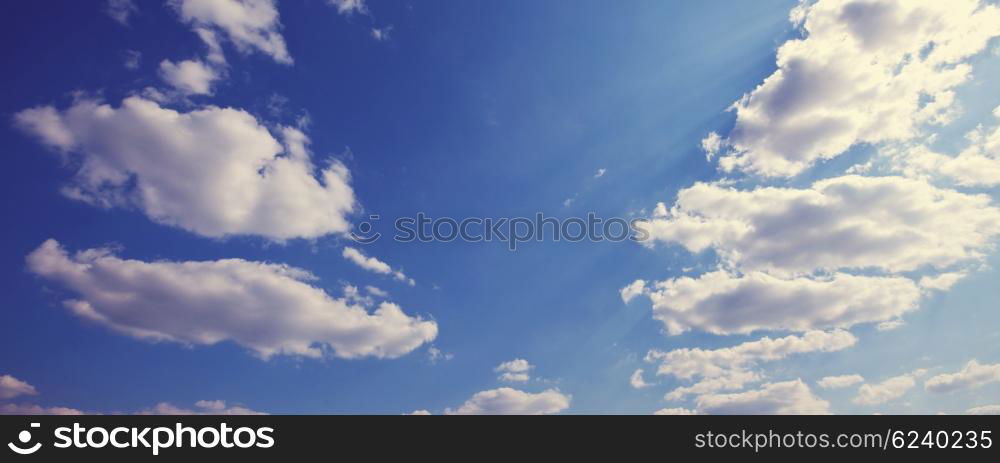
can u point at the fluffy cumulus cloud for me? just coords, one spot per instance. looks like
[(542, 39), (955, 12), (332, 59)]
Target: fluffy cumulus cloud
[(784, 398), (375, 265), (840, 382), (787, 252), (972, 375), (731, 368), (11, 387), (201, 407), (840, 251), (250, 25), (863, 72), (508, 401), (268, 308), (723, 303), (514, 370), (885, 391), (212, 171), (190, 77), (888, 223)]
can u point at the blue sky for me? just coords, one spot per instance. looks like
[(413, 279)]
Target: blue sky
[(478, 109)]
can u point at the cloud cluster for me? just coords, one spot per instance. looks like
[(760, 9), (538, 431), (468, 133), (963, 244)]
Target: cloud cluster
[(508, 401), (731, 368), (784, 398), (972, 375), (267, 308), (885, 391), (787, 251), (11, 387), (212, 171), (864, 72), (250, 25), (201, 407), (840, 251)]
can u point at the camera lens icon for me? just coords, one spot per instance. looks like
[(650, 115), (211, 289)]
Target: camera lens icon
[(25, 437)]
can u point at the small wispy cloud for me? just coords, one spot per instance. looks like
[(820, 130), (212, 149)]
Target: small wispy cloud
[(375, 265)]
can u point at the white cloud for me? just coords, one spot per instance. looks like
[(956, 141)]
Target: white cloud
[(636, 380), (785, 398), (786, 251), (840, 382), (249, 24), (514, 370), (865, 72), (977, 165), (30, 409), (121, 10), (636, 288), (972, 375), (212, 171), (349, 7), (507, 401), (889, 223), (11, 387), (721, 303), (890, 389), (375, 265), (675, 411), (267, 308), (420, 412), (984, 410), (202, 407), (731, 368), (711, 145), (190, 77)]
